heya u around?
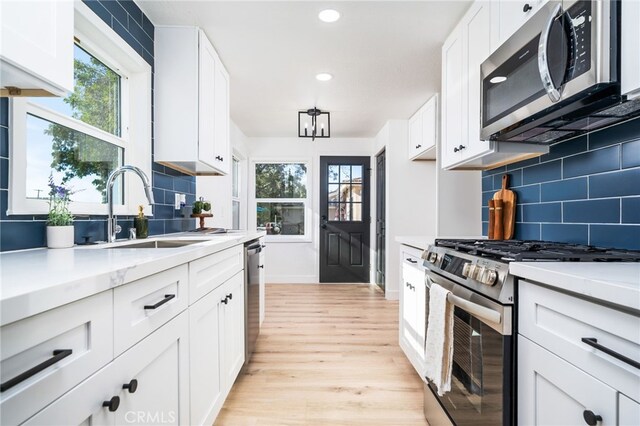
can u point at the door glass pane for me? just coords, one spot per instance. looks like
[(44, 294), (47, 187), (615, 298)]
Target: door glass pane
[(332, 194), (333, 174), (334, 211), (281, 218), (344, 192), (74, 160), (356, 173), (96, 94), (356, 193), (356, 212), (345, 174), (235, 188)]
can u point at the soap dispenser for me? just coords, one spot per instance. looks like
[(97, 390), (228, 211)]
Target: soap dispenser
[(141, 223)]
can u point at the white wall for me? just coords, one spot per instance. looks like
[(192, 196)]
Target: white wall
[(217, 189), (298, 262), (411, 196)]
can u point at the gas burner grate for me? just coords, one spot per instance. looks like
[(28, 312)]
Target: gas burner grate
[(531, 251)]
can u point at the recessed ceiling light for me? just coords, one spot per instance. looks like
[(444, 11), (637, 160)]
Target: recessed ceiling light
[(498, 79), (329, 15), (324, 76)]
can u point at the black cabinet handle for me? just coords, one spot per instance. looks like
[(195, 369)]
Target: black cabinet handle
[(58, 354), (593, 342), (411, 260), (230, 296), (418, 146), (526, 8), (225, 300), (132, 386), (261, 266), (219, 158), (167, 297), (591, 418), (112, 404)]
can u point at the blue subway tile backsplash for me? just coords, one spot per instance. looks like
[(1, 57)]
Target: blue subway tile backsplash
[(586, 190), (28, 231)]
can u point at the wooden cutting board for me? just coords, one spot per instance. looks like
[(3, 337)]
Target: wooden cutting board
[(508, 198)]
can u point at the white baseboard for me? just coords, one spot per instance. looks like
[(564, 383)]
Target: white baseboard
[(391, 294), (291, 279)]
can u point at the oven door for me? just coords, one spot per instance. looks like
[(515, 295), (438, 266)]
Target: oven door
[(482, 374), (560, 52)]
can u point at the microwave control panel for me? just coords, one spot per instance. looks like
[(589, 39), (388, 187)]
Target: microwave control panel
[(579, 20)]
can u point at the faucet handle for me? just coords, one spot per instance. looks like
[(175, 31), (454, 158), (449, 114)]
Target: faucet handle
[(132, 233)]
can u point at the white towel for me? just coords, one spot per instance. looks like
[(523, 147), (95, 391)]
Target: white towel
[(439, 344)]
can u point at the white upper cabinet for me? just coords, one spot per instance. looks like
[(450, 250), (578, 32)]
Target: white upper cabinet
[(36, 48), (511, 15), (423, 131), (191, 103), (470, 44), (630, 53)]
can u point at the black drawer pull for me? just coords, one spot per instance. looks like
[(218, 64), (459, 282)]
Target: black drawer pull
[(411, 260), (58, 354), (167, 297), (230, 296), (593, 342), (261, 266), (112, 404), (225, 300), (132, 386)]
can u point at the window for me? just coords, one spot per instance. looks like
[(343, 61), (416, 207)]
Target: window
[(345, 193), (282, 199), (235, 193), (79, 140)]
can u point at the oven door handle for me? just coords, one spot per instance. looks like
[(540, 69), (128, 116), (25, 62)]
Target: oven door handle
[(476, 310)]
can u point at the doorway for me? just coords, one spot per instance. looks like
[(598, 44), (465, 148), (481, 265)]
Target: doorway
[(344, 219), (380, 219)]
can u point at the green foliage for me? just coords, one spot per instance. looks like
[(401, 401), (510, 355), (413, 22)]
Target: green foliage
[(59, 214), (95, 101), (281, 181)]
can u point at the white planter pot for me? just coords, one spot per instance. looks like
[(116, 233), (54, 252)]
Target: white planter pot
[(60, 236)]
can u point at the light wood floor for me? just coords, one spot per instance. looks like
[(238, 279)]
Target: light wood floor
[(326, 355)]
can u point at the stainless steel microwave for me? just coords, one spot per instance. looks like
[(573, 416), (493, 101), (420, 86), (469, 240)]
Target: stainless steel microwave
[(557, 77)]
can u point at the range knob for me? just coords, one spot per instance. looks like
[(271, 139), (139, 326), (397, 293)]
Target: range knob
[(489, 276), (432, 257), (468, 270)]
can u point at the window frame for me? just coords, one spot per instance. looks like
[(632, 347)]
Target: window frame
[(99, 40), (236, 198), (307, 201)]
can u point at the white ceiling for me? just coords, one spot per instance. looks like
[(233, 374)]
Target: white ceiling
[(384, 56)]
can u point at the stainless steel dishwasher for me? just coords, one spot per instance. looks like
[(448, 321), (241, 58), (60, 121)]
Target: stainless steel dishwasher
[(252, 265)]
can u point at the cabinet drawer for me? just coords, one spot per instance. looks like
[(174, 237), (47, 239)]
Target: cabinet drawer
[(559, 322), (209, 272), (144, 305), (85, 328)]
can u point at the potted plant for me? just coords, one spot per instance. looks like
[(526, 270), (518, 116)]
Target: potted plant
[(60, 219)]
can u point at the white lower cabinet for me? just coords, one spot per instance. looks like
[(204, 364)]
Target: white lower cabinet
[(553, 392), (155, 373), (573, 360), (207, 391), (232, 326), (412, 307)]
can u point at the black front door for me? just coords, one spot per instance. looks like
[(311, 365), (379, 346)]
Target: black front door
[(344, 219), (380, 219)]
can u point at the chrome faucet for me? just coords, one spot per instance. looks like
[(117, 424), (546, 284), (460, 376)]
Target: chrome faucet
[(113, 229)]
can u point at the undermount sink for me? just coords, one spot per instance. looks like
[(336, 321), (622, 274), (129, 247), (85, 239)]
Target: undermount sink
[(157, 244)]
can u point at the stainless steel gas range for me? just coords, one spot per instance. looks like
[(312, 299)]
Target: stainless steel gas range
[(483, 385)]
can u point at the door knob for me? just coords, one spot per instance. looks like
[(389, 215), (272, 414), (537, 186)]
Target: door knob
[(526, 8)]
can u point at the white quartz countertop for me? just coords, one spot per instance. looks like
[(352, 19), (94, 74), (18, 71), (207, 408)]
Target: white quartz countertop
[(33, 281), (613, 282)]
